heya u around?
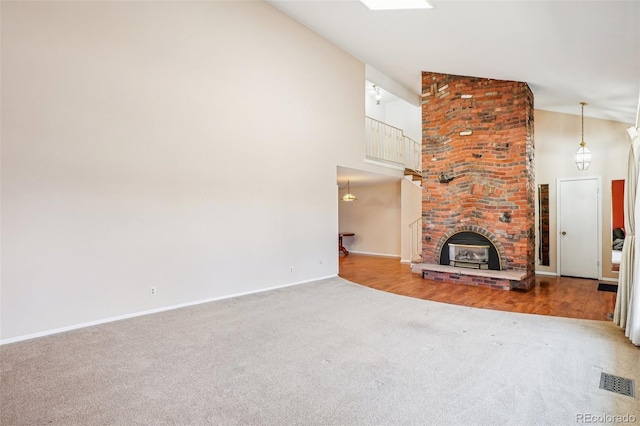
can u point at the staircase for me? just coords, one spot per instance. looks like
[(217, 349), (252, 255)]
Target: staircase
[(415, 253), (388, 146), (414, 174)]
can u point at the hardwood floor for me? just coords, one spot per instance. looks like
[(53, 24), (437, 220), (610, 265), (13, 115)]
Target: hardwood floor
[(556, 296)]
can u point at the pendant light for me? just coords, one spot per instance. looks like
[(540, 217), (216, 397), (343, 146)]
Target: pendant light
[(348, 196), (583, 156)]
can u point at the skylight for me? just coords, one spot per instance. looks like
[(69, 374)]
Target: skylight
[(396, 4)]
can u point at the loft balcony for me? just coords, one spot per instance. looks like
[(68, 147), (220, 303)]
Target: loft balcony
[(388, 146)]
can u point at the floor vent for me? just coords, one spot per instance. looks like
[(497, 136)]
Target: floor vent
[(617, 384)]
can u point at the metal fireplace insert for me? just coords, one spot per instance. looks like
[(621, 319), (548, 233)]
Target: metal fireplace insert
[(469, 256)]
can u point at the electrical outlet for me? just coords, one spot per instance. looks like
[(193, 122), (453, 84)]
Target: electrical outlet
[(291, 269), (152, 291)]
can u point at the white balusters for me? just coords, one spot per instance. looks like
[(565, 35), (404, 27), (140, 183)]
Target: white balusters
[(415, 252), (386, 143)]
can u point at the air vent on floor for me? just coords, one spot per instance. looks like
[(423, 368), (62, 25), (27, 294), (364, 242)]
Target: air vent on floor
[(617, 384)]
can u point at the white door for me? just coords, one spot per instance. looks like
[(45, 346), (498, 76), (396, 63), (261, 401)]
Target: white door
[(578, 242)]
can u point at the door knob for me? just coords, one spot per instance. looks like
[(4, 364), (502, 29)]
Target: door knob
[(564, 233)]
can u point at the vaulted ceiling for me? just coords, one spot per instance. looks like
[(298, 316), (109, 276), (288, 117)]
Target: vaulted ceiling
[(567, 51)]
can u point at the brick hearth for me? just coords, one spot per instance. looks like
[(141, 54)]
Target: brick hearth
[(478, 169)]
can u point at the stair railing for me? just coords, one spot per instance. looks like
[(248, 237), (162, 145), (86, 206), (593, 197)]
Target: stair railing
[(412, 155), (415, 250), (389, 144), (384, 143)]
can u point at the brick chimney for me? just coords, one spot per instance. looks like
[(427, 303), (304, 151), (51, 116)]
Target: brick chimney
[(478, 168)]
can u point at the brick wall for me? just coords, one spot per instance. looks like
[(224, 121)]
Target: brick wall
[(478, 166)]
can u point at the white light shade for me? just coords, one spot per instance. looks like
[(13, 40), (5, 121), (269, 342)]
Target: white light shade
[(396, 4), (583, 158)]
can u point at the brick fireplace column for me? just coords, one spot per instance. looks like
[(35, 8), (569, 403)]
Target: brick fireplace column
[(478, 166)]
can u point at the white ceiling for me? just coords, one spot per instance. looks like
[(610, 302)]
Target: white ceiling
[(567, 51), (358, 178)]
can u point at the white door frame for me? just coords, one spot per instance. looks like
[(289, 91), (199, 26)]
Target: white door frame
[(558, 224)]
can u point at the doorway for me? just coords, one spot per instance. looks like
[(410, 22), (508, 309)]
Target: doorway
[(579, 213)]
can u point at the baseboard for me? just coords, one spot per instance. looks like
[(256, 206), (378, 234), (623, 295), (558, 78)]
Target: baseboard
[(366, 253), (151, 311), (551, 274)]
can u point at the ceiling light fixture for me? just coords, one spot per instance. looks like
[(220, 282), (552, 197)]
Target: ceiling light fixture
[(378, 94), (583, 156), (396, 4), (348, 196)]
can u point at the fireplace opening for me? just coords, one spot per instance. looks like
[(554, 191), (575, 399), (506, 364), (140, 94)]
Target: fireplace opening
[(470, 249), (469, 256)]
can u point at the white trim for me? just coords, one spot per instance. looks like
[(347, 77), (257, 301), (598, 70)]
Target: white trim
[(387, 164), (598, 180), (152, 311), (551, 274), (366, 253), (612, 280)]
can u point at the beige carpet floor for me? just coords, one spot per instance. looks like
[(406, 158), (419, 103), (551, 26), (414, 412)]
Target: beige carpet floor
[(324, 353)]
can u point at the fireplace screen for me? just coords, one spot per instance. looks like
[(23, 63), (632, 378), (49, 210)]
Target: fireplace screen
[(469, 256)]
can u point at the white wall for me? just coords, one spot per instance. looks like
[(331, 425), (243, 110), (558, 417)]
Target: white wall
[(158, 144), (405, 116), (375, 219), (397, 113), (557, 138), (373, 110)]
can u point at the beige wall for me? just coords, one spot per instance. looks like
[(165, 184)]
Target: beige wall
[(557, 137), (374, 218), (159, 143), (411, 210), (188, 146)]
